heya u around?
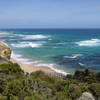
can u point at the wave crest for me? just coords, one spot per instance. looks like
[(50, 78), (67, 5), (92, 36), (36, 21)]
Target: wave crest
[(74, 56), (92, 42), (27, 37), (20, 58), (27, 44)]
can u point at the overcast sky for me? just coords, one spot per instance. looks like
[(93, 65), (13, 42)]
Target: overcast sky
[(49, 13)]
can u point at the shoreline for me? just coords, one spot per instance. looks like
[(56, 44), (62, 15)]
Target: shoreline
[(33, 68), (29, 68)]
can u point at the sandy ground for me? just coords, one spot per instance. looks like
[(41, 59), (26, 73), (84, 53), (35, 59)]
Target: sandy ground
[(32, 68)]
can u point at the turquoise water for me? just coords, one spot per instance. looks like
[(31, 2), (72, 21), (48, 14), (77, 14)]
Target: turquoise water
[(64, 49)]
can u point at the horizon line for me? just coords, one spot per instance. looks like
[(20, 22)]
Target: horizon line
[(51, 28)]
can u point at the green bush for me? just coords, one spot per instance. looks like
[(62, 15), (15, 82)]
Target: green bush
[(74, 91), (83, 87), (11, 68), (13, 88), (3, 98), (3, 83), (39, 86), (85, 76), (95, 89)]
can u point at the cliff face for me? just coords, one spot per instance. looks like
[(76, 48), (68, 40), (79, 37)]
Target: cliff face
[(5, 51)]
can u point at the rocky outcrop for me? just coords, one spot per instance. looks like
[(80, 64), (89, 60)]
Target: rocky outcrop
[(87, 96), (5, 51)]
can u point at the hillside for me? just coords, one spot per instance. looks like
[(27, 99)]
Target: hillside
[(15, 85)]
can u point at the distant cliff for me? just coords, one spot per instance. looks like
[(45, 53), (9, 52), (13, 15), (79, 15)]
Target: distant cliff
[(5, 52)]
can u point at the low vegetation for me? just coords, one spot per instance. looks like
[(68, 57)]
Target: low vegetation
[(15, 85)]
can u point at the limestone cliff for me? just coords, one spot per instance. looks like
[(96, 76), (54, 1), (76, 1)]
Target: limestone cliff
[(5, 51)]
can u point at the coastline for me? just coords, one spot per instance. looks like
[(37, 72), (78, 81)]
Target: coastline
[(29, 68)]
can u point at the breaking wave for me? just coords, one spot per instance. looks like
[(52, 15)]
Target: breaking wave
[(34, 37), (20, 58), (92, 42), (28, 44), (5, 33), (51, 66), (73, 56)]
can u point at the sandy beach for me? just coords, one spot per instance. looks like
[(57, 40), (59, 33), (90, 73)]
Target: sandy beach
[(32, 68), (29, 68)]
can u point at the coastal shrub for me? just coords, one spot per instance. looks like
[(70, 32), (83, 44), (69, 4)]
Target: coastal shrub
[(13, 88), (37, 96), (98, 76), (85, 75), (3, 83), (40, 86), (43, 76), (83, 87), (3, 98), (27, 86), (95, 89), (45, 79), (29, 98), (74, 91), (11, 68), (62, 96), (69, 77)]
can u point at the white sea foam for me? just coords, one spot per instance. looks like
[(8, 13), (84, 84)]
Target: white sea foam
[(33, 45), (34, 37), (51, 66), (28, 44), (5, 33), (92, 42), (20, 58), (81, 64), (23, 60), (74, 56), (20, 45)]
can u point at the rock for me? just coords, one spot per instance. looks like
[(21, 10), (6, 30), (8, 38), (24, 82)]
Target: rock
[(6, 54), (5, 51), (87, 96)]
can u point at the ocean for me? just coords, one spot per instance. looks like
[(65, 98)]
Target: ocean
[(64, 50)]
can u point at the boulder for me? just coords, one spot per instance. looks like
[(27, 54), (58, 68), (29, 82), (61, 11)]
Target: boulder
[(5, 51), (87, 96)]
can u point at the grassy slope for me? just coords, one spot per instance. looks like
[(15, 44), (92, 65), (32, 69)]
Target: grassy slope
[(15, 85)]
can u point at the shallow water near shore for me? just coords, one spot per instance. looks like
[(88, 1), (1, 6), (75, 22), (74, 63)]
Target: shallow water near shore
[(63, 49)]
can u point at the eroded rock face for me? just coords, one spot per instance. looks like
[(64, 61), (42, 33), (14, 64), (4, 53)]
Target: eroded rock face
[(87, 96), (5, 51)]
